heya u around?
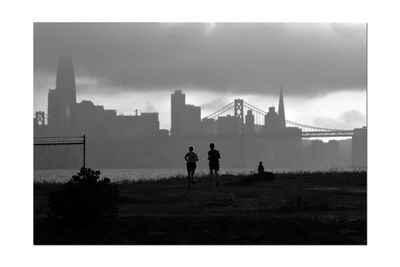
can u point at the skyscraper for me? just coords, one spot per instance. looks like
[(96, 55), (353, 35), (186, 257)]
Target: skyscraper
[(65, 80), (281, 111), (185, 119), (177, 109), (248, 127), (62, 99), (272, 122), (359, 148)]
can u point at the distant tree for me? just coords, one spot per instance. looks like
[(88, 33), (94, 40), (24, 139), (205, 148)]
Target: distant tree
[(85, 199)]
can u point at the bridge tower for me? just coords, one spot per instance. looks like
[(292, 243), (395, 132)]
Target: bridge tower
[(39, 124), (39, 118), (238, 107), (239, 113)]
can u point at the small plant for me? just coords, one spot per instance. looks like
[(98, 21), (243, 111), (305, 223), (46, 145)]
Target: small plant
[(85, 199)]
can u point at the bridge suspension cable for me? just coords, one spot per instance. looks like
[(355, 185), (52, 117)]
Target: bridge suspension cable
[(312, 128), (220, 111), (249, 106), (261, 113)]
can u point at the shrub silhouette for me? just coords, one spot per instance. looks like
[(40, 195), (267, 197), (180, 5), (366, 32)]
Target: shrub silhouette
[(84, 200)]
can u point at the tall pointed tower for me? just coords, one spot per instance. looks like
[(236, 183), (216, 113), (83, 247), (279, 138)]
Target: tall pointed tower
[(281, 111), (65, 80), (62, 99)]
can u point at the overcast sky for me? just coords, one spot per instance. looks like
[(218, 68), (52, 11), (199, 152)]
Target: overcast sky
[(322, 67)]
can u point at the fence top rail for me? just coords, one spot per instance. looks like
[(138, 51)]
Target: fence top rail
[(59, 140), (58, 137)]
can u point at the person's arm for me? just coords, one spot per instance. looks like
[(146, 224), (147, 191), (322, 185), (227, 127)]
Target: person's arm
[(186, 157), (196, 158)]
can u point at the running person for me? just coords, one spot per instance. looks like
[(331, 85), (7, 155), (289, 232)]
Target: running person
[(191, 159), (213, 157)]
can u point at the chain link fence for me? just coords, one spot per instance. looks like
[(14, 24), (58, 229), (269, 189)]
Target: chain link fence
[(56, 159)]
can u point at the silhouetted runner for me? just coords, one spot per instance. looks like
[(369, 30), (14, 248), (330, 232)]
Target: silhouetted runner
[(213, 157), (191, 159), (260, 167)]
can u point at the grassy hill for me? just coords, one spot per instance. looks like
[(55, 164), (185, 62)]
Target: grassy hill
[(243, 210)]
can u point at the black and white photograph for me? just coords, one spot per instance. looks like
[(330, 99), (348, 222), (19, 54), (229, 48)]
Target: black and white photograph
[(200, 133)]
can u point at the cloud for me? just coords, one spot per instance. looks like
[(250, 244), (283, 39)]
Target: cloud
[(353, 117), (214, 104), (347, 120), (306, 58), (150, 108)]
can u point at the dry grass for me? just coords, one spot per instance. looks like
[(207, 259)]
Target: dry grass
[(166, 211)]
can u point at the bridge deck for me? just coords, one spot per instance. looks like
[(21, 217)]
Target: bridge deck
[(309, 134)]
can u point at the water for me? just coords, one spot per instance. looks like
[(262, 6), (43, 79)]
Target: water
[(152, 174), (129, 174)]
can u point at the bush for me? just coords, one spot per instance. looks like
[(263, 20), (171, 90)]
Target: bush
[(84, 200)]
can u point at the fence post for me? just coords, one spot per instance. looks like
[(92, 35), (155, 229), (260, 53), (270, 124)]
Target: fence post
[(84, 151)]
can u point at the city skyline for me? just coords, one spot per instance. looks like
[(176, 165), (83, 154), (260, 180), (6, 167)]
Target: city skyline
[(249, 133), (312, 106), (71, 75), (348, 119)]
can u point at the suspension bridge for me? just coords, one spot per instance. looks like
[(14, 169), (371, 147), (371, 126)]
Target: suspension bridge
[(238, 108)]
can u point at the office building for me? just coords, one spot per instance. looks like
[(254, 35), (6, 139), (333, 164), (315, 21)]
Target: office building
[(228, 125), (248, 127), (62, 98), (271, 121), (185, 119), (208, 126), (359, 148)]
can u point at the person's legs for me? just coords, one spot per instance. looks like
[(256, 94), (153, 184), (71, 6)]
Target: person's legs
[(211, 173), (216, 169), (191, 175), (193, 171), (188, 178)]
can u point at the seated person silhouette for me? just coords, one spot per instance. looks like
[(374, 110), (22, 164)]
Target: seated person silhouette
[(260, 167), (213, 157), (263, 174), (191, 159)]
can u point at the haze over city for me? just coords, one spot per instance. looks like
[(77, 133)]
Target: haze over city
[(122, 66)]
